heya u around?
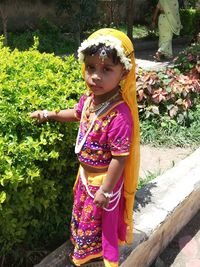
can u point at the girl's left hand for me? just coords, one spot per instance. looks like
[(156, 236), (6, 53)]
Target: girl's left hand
[(100, 200)]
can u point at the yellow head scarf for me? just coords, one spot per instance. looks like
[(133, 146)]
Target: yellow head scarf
[(128, 87)]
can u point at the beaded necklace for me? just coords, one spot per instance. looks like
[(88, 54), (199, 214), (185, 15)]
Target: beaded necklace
[(99, 106), (104, 105)]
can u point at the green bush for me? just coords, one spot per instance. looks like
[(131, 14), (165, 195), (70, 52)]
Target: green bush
[(37, 162), (51, 39), (188, 59), (167, 93), (190, 19)]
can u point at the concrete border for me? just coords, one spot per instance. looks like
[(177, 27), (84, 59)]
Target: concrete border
[(162, 209)]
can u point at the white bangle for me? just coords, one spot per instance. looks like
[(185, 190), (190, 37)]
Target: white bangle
[(45, 114), (107, 195)]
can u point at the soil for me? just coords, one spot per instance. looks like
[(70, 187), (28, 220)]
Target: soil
[(156, 161)]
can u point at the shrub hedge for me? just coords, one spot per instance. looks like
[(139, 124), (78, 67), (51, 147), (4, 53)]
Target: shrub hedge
[(37, 162), (47, 34), (190, 19)]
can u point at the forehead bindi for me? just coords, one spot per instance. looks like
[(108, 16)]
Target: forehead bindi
[(96, 60)]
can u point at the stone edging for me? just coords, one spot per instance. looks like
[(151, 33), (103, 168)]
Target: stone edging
[(163, 207)]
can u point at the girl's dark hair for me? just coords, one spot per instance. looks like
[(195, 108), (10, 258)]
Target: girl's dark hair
[(96, 49)]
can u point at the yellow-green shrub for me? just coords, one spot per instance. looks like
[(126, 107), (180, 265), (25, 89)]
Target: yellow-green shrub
[(37, 162)]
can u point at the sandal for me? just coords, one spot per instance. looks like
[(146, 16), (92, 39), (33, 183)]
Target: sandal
[(98, 262), (93, 263), (159, 56), (71, 260)]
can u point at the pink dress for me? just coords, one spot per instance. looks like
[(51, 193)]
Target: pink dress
[(97, 232)]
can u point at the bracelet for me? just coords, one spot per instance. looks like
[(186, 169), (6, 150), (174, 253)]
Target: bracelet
[(107, 195), (45, 114)]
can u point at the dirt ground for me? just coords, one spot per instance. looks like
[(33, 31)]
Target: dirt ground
[(158, 160)]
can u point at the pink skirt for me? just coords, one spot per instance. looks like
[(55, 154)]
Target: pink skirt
[(96, 232)]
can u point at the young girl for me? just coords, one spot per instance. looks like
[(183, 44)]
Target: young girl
[(107, 147)]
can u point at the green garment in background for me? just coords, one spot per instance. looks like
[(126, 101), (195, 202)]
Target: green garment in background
[(171, 10), (168, 24)]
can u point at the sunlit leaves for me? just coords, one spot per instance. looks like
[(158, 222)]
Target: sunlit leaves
[(171, 91), (37, 162)]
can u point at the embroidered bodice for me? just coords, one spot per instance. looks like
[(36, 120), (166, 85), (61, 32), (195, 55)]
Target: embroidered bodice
[(109, 136)]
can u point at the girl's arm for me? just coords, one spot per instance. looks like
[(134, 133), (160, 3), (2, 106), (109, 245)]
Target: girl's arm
[(114, 172), (66, 115)]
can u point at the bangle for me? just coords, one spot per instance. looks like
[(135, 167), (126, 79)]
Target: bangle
[(45, 114), (107, 195)]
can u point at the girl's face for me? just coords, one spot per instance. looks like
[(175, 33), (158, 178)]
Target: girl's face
[(103, 76)]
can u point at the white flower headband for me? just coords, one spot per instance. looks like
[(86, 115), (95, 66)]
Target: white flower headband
[(109, 41)]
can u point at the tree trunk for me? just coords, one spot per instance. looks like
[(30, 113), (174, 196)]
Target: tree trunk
[(129, 10), (4, 18)]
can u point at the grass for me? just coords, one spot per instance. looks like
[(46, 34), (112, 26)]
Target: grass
[(140, 32), (147, 178), (170, 133)]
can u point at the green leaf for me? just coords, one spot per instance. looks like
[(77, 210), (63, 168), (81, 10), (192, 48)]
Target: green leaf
[(2, 197)]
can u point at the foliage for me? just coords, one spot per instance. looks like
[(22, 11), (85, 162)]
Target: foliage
[(169, 102), (167, 132), (191, 3), (190, 19), (188, 60), (82, 12), (142, 31), (50, 36), (37, 162), (168, 93)]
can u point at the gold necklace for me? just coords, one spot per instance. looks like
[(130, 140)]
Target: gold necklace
[(105, 103)]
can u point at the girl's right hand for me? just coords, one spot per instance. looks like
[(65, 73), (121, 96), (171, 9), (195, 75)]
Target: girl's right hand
[(39, 116), (100, 200)]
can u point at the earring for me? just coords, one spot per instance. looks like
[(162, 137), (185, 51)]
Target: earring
[(121, 83)]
